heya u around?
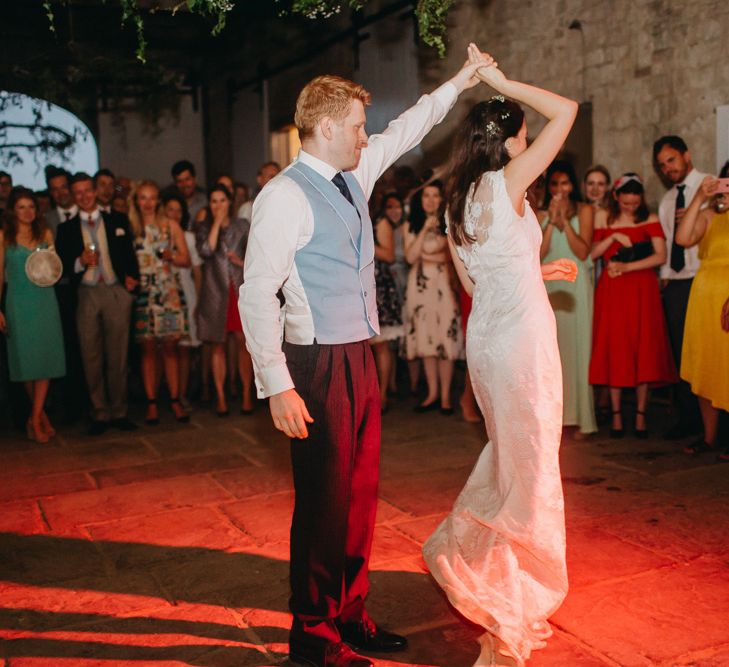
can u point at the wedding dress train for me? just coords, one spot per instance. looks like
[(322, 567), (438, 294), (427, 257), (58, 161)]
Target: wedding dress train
[(500, 554)]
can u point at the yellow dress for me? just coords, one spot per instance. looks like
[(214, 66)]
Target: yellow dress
[(705, 354)]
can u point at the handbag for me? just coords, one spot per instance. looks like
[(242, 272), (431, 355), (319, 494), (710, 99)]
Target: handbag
[(634, 253), (43, 267)]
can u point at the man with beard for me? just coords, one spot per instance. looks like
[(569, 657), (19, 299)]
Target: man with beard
[(673, 161)]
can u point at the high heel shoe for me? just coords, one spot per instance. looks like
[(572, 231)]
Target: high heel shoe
[(617, 432), (179, 412), (152, 416), (640, 433)]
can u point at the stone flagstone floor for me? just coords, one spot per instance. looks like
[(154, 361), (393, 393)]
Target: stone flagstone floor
[(168, 547)]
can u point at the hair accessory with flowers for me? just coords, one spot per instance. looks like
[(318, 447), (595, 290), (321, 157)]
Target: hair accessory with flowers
[(498, 98), (492, 129)]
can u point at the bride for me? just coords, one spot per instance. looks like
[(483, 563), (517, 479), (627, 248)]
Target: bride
[(500, 554)]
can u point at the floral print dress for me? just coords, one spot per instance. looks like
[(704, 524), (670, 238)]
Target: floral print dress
[(160, 310), (432, 309)]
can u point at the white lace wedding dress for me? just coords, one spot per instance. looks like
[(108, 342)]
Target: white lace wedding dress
[(500, 554)]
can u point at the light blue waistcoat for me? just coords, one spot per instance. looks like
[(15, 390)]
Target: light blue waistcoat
[(337, 267)]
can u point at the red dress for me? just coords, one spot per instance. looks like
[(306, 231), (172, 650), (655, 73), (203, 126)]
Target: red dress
[(629, 337)]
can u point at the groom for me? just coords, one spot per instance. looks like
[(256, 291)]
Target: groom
[(311, 236)]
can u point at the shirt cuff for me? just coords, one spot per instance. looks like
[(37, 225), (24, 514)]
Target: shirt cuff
[(273, 380), (447, 94), (78, 267)]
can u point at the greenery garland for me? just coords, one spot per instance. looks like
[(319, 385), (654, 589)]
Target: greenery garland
[(431, 15)]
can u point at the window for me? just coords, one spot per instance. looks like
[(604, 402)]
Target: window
[(35, 133)]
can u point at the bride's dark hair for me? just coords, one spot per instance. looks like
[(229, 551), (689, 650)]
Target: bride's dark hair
[(479, 147)]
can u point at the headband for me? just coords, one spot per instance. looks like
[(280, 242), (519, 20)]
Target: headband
[(625, 179)]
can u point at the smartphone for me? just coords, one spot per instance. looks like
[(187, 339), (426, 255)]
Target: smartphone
[(722, 184)]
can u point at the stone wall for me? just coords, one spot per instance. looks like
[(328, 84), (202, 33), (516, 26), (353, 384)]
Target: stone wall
[(649, 67)]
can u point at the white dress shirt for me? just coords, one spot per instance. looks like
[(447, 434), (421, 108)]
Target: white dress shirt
[(667, 216), (283, 222)]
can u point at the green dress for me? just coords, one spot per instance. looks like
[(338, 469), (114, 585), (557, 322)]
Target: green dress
[(34, 337), (572, 304)]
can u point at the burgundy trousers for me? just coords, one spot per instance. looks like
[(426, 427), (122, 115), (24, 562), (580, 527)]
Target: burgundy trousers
[(336, 472)]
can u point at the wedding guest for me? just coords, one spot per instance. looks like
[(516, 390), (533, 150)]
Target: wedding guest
[(226, 181), (432, 313), (597, 193), (6, 185), (221, 243), (567, 226), (69, 392), (535, 193), (160, 313), (673, 161), (120, 204), (98, 255), (185, 179), (265, 173), (241, 195), (64, 207), (175, 208), (105, 184), (393, 210), (705, 354), (231, 343), (597, 186), (31, 322), (630, 344), (45, 203), (389, 303)]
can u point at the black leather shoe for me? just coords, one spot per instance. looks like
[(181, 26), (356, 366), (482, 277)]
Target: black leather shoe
[(124, 424), (364, 635), (331, 655), (97, 427)]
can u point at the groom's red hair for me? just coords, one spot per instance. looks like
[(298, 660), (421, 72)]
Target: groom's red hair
[(327, 95)]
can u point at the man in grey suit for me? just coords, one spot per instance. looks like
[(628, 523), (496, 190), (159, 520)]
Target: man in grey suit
[(98, 256)]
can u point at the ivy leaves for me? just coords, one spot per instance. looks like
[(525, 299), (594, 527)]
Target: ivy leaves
[(431, 15)]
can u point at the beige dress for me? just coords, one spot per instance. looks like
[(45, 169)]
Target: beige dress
[(432, 309)]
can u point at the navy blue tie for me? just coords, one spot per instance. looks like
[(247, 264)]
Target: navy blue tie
[(678, 252), (342, 186)]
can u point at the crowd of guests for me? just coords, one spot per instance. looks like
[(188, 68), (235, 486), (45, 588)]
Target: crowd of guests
[(146, 283), (156, 272), (649, 307)]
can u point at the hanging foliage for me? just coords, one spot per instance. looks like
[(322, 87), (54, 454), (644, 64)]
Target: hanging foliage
[(431, 15)]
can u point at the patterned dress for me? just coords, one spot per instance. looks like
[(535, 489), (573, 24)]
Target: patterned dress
[(432, 309), (389, 304), (159, 310)]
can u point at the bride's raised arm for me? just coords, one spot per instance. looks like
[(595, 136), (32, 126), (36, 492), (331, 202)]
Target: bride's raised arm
[(560, 112)]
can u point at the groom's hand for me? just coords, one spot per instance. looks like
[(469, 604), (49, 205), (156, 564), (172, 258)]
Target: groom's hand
[(467, 76), (290, 414)]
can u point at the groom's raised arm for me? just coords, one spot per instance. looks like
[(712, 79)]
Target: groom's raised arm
[(410, 128)]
